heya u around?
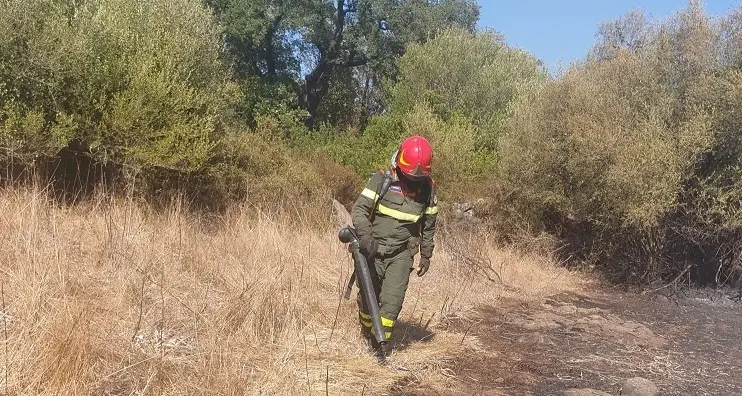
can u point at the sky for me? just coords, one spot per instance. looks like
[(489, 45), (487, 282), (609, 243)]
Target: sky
[(559, 31)]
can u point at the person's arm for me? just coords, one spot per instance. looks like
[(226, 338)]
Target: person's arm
[(361, 213), (427, 232)]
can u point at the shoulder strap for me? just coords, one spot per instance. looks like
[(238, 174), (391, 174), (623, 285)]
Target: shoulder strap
[(380, 192), (431, 194)]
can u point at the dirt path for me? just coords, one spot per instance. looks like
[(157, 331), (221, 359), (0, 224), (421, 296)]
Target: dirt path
[(691, 345)]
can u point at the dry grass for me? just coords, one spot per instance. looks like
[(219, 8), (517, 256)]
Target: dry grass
[(109, 298)]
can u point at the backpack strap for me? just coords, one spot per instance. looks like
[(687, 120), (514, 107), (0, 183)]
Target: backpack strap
[(384, 188), (380, 192), (428, 198)]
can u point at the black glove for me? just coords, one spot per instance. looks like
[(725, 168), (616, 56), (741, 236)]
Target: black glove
[(369, 247), (424, 265)]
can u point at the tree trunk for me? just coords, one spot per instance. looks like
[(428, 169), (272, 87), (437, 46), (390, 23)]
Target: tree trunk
[(318, 81)]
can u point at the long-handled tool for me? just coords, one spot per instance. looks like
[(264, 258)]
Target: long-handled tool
[(383, 188), (363, 273)]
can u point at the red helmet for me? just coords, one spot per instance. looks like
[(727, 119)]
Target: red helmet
[(414, 157)]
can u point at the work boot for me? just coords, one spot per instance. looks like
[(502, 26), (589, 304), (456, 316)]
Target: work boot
[(383, 351), (369, 338)]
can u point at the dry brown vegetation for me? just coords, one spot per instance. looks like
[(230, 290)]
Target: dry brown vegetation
[(632, 158), (109, 297)]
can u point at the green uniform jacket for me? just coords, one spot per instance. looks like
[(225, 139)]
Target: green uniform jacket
[(404, 218)]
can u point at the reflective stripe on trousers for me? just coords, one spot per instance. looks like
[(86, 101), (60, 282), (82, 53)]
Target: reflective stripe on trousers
[(388, 324)]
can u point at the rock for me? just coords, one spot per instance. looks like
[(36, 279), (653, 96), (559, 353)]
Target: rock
[(535, 338), (584, 392), (568, 309), (638, 386), (539, 321), (463, 211), (597, 319), (462, 207), (591, 311), (628, 333), (633, 334), (342, 217), (661, 298)]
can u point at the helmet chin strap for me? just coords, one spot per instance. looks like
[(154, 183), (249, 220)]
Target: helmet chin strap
[(394, 159)]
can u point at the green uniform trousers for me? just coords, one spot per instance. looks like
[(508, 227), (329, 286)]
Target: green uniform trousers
[(390, 276)]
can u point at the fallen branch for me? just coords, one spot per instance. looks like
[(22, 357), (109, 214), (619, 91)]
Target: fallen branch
[(672, 283)]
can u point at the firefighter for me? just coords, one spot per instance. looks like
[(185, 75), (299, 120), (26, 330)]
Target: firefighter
[(393, 226)]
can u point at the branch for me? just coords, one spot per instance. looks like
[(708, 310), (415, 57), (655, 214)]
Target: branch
[(340, 21), (268, 44), (356, 60), (351, 7), (674, 281)]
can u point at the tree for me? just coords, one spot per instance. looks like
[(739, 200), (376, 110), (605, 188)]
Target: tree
[(456, 90), (731, 39), (629, 32), (316, 45), (634, 158), (472, 75)]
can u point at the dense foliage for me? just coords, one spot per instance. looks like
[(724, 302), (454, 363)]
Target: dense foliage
[(141, 85), (455, 90), (634, 157), (329, 58), (631, 158)]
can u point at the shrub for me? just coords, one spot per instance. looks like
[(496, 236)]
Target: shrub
[(463, 74), (136, 82), (460, 167), (630, 157)]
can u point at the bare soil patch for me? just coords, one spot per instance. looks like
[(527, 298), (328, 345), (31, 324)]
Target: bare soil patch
[(687, 345)]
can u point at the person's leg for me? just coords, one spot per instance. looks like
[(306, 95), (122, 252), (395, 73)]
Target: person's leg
[(393, 289)]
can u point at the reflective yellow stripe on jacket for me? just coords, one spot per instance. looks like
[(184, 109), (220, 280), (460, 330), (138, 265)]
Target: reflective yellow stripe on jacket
[(396, 214), (370, 194)]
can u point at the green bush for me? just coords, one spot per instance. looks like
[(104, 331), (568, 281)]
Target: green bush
[(135, 82), (461, 169), (463, 74), (364, 152), (455, 90), (458, 165), (633, 157)]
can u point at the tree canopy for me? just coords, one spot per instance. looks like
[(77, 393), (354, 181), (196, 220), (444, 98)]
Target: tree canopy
[(334, 56)]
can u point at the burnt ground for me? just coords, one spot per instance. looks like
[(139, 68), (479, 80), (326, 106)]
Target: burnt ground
[(689, 344)]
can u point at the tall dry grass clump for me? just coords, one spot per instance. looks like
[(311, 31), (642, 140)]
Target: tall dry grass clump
[(112, 298)]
